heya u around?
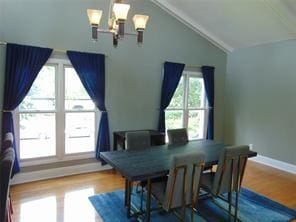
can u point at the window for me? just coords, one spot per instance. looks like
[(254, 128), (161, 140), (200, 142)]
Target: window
[(57, 119), (80, 115), (188, 107)]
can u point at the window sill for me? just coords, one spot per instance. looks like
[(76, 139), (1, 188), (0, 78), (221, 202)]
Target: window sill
[(59, 169), (48, 166)]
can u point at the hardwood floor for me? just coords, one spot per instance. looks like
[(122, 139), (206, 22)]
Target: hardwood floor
[(65, 199), (272, 183)]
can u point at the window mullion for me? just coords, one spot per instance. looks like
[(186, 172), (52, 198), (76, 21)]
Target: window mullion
[(60, 123), (185, 102)]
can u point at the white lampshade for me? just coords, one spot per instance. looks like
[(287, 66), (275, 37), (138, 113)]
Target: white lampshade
[(94, 16), (120, 10), (140, 21)]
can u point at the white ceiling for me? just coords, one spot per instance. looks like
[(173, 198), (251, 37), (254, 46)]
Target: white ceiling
[(232, 24)]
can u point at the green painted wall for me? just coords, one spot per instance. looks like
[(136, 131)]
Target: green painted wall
[(260, 104), (133, 74)]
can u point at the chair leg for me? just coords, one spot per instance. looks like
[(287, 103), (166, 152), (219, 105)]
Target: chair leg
[(184, 213), (229, 205), (192, 212), (142, 193), (137, 188), (236, 205)]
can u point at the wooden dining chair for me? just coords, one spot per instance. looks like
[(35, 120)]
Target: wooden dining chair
[(6, 164), (180, 137), (228, 177), (182, 187), (137, 140), (7, 141), (177, 136)]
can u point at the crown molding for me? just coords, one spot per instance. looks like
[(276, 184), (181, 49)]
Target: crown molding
[(282, 16), (166, 6)]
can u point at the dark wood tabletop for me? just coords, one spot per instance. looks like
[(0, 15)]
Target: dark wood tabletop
[(153, 162)]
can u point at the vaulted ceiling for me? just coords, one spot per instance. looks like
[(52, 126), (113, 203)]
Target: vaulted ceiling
[(233, 24)]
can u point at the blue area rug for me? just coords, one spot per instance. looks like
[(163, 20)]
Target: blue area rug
[(252, 208)]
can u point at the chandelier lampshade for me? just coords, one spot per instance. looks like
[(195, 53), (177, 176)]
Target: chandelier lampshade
[(140, 21), (120, 11)]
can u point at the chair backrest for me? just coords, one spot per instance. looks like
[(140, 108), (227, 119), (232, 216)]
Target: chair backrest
[(230, 170), (183, 180), (177, 136), (137, 140), (6, 164)]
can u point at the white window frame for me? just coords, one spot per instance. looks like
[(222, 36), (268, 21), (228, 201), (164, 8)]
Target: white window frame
[(185, 109), (60, 118)]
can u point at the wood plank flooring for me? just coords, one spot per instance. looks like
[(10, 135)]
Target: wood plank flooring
[(65, 199)]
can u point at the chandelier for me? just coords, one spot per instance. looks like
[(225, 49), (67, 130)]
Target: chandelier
[(116, 21)]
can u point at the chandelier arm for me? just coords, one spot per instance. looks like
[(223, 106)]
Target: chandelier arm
[(111, 32), (107, 31)]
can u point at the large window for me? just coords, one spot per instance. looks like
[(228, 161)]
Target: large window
[(188, 107), (57, 119)]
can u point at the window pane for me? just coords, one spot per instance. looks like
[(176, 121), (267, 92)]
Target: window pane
[(196, 124), (37, 135), (76, 97), (177, 100), (173, 119), (80, 128), (42, 93), (195, 93)]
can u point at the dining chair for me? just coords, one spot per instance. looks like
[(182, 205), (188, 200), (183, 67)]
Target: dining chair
[(7, 141), (182, 186), (177, 136), (137, 140), (180, 137), (6, 164), (228, 177)]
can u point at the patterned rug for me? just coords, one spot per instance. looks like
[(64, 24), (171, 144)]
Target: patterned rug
[(252, 208)]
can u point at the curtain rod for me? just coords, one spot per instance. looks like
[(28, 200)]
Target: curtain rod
[(55, 50), (193, 66)]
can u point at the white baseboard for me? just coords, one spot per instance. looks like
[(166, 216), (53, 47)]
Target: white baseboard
[(275, 163), (57, 172)]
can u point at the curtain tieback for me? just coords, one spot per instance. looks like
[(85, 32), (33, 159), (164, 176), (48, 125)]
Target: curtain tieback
[(105, 111), (7, 111)]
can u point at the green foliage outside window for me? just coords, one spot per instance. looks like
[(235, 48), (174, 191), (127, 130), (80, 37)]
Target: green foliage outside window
[(174, 118)]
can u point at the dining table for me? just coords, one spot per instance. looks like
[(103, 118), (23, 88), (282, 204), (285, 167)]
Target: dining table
[(155, 162)]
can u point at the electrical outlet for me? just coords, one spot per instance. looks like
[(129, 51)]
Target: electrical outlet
[(251, 146)]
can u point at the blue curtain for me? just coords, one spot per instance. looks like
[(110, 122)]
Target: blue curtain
[(91, 71), (23, 64), (208, 76), (171, 78)]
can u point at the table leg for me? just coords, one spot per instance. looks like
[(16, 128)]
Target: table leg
[(128, 192), (125, 192), (148, 200)]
